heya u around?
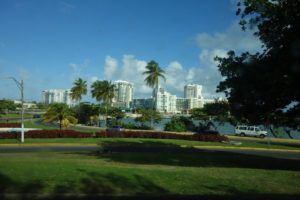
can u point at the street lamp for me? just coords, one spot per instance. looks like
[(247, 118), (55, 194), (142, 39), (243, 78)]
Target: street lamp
[(21, 87)]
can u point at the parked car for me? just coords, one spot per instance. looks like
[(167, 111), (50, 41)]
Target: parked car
[(115, 128), (243, 130)]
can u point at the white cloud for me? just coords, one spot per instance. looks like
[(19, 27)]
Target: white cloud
[(207, 57), (205, 73), (110, 67), (78, 68), (233, 38), (130, 70), (218, 44), (177, 76), (93, 79)]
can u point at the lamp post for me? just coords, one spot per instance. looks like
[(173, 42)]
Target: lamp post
[(21, 87)]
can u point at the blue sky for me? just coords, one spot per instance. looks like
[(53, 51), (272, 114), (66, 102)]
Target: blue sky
[(51, 43)]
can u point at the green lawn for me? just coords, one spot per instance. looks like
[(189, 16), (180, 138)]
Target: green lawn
[(15, 115), (76, 141), (148, 167)]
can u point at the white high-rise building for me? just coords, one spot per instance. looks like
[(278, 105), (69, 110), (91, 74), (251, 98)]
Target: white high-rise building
[(193, 91), (57, 96), (123, 94), (192, 98), (185, 104), (165, 102)]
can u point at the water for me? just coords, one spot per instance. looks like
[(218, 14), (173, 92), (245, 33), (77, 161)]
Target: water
[(223, 128)]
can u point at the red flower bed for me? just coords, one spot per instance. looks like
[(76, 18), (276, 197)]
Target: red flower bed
[(6, 135), (119, 134), (161, 135), (10, 125), (47, 134)]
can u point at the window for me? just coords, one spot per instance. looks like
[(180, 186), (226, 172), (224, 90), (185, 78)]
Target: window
[(242, 127), (251, 128)]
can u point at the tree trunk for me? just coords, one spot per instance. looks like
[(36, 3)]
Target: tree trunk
[(79, 113), (106, 115), (288, 132), (60, 124), (272, 132), (153, 105)]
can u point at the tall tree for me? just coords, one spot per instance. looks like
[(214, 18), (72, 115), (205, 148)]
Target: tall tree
[(264, 87), (153, 73), (103, 91), (148, 115), (60, 112), (7, 105), (79, 88)]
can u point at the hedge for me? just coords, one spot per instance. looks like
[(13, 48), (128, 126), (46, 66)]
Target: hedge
[(107, 134), (46, 134), (161, 135), (10, 125)]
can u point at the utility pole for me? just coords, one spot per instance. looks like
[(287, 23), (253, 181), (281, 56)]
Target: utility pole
[(20, 85)]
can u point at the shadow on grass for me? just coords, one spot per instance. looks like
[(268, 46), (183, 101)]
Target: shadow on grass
[(92, 185), (112, 186), (286, 144), (154, 153)]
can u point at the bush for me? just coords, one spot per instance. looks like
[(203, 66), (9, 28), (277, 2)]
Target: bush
[(161, 135), (176, 126), (180, 124), (134, 126)]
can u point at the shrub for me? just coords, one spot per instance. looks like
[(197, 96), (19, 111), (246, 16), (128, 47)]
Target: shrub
[(134, 126), (180, 124), (160, 135)]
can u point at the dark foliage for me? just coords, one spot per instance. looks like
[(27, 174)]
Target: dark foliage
[(7, 105), (134, 126), (263, 88), (180, 124)]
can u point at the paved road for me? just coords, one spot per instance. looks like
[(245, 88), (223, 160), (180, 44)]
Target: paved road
[(75, 148)]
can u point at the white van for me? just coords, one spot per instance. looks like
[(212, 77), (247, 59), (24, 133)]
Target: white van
[(255, 131)]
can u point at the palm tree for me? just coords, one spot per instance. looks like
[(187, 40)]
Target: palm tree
[(153, 72), (60, 112), (79, 88), (103, 91)]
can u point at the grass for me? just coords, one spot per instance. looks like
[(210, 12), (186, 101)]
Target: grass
[(15, 115), (148, 167), (251, 144), (37, 123)]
